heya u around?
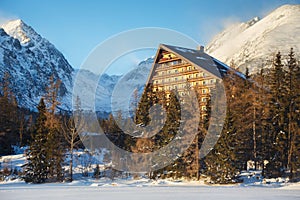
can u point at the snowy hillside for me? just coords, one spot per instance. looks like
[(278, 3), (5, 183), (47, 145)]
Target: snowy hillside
[(255, 42)]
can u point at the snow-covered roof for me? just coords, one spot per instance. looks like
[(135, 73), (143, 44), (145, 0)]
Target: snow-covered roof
[(201, 59)]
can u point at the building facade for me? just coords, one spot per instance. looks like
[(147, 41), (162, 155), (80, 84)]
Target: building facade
[(176, 68)]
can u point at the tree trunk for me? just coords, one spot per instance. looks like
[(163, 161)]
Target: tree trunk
[(71, 165), (254, 139)]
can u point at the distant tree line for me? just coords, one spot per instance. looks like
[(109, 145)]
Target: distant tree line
[(15, 122), (262, 126)]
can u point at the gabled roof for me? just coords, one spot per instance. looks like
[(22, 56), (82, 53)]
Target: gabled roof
[(200, 59)]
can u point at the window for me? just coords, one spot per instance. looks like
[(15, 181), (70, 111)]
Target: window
[(204, 91), (176, 70), (203, 108), (204, 99), (156, 82), (204, 82)]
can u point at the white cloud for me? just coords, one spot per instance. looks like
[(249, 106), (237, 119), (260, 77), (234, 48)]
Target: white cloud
[(210, 28)]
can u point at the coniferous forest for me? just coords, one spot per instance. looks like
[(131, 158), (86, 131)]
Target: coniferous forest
[(262, 128)]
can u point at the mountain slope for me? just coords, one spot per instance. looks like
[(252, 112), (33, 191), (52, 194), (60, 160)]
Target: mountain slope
[(254, 43), (31, 60)]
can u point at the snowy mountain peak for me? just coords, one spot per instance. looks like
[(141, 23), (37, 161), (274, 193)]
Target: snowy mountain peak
[(253, 44), (31, 60), (22, 32)]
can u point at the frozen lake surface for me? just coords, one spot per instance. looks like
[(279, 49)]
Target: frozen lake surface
[(136, 191)]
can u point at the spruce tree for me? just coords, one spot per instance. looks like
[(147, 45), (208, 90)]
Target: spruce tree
[(37, 166), (277, 142), (142, 113), (293, 101), (221, 160)]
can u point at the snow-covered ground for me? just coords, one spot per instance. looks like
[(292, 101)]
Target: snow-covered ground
[(129, 188), (143, 190)]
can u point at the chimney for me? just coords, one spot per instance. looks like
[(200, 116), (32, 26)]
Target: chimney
[(200, 48)]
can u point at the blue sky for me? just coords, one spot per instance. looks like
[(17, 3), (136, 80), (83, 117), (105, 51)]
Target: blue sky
[(75, 27)]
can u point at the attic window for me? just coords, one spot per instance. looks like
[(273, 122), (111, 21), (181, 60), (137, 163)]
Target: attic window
[(201, 58), (184, 50)]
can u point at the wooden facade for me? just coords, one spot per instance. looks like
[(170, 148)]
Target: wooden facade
[(175, 68)]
